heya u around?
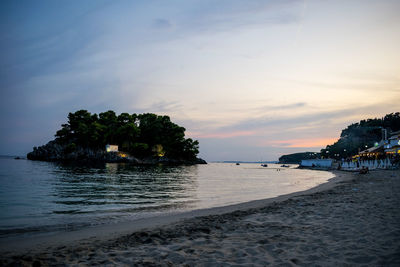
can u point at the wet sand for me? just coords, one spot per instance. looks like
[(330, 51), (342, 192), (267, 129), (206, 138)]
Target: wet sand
[(352, 220)]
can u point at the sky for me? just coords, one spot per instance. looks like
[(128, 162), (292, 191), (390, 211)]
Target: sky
[(250, 79)]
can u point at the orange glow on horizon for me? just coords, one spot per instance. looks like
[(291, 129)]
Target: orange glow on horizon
[(221, 135), (292, 143), (309, 142)]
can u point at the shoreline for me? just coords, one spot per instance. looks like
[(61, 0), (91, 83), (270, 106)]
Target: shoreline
[(38, 241), (181, 238), (108, 231)]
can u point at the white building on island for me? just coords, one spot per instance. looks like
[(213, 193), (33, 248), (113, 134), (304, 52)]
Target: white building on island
[(111, 148)]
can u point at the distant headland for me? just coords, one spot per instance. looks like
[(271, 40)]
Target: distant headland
[(133, 138), (356, 138)]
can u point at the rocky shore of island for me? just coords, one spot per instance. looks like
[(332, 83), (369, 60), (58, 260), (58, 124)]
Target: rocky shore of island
[(56, 152)]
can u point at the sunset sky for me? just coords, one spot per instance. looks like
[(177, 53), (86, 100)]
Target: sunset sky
[(251, 80)]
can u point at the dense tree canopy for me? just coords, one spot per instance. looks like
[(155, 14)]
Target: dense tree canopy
[(362, 135), (142, 135), (296, 158)]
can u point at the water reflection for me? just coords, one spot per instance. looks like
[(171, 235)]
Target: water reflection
[(119, 187), (42, 196)]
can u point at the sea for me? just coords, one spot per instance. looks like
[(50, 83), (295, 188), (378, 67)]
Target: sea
[(39, 198)]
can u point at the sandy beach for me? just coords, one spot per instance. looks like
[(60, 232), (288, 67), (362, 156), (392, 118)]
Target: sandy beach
[(353, 220)]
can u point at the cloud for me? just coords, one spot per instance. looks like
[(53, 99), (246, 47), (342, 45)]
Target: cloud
[(281, 107), (213, 129), (366, 82), (217, 16), (162, 24), (163, 107), (243, 7), (318, 118), (313, 130), (300, 143), (221, 135), (145, 56), (43, 38)]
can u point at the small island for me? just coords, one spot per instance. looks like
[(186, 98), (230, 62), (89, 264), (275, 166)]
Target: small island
[(138, 138)]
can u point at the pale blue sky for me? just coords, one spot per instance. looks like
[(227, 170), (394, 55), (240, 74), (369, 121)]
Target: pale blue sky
[(249, 79)]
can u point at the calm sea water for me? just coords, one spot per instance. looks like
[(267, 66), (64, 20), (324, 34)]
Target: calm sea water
[(42, 197)]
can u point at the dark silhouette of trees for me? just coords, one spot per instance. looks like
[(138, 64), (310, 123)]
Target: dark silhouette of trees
[(142, 135), (296, 158), (359, 136)]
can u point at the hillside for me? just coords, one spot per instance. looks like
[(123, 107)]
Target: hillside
[(354, 138), (297, 157), (361, 135)]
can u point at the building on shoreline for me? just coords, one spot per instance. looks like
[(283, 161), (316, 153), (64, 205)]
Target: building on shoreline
[(111, 148), (319, 163), (393, 144)]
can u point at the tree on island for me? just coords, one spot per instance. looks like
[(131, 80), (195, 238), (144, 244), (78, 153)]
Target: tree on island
[(140, 135), (296, 158)]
